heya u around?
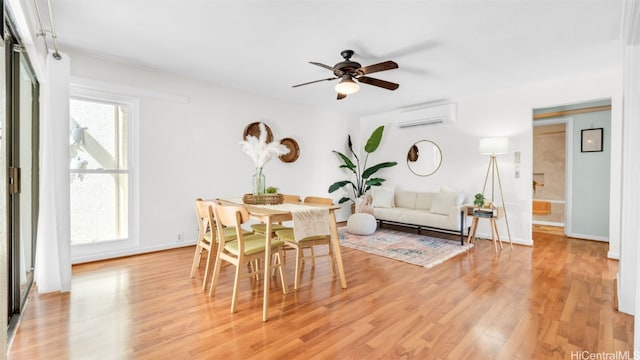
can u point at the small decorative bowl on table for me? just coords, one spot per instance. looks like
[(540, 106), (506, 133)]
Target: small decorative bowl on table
[(263, 199)]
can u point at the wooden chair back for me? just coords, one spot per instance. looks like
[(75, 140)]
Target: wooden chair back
[(231, 215), (318, 200), (205, 218), (206, 237), (291, 198)]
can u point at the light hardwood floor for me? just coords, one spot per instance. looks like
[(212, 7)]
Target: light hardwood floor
[(548, 229), (541, 302)]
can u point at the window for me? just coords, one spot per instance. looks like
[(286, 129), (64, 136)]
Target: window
[(101, 174)]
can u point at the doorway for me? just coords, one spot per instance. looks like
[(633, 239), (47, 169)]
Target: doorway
[(575, 200), (549, 174)]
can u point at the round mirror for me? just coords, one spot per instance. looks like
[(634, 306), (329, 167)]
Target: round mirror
[(424, 158)]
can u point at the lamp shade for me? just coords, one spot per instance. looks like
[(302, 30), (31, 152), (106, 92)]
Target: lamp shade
[(347, 86), (494, 145)]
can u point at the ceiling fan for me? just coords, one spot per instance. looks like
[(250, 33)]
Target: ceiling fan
[(351, 73)]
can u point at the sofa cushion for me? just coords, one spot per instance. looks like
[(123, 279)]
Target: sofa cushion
[(382, 197), (424, 200), (405, 199), (390, 214), (443, 202), (427, 218)]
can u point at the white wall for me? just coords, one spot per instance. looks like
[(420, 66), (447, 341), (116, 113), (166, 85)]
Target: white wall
[(502, 113), (189, 134), (629, 271), (588, 218)]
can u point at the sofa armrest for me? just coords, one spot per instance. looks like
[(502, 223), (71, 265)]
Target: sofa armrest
[(456, 218)]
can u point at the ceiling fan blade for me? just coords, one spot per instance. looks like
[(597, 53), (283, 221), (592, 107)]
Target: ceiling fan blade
[(386, 65), (377, 82), (341, 96), (322, 65), (315, 81), (394, 54)]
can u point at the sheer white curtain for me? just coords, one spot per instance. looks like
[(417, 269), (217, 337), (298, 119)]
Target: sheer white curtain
[(53, 249)]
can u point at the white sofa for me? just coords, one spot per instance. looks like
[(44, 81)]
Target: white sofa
[(438, 211)]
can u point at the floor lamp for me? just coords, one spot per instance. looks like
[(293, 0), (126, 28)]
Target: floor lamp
[(492, 147)]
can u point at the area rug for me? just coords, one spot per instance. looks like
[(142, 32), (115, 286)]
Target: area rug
[(411, 248)]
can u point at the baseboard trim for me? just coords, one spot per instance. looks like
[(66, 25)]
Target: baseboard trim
[(588, 237), (128, 252), (613, 255)]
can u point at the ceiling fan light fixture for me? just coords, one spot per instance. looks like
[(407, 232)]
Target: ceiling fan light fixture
[(347, 86)]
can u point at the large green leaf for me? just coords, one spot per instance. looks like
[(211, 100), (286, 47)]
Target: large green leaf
[(372, 170), (375, 182), (348, 164), (344, 200), (374, 140), (339, 184), (351, 148)]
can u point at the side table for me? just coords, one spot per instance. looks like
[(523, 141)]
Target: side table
[(490, 214)]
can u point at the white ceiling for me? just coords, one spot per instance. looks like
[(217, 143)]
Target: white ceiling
[(445, 49)]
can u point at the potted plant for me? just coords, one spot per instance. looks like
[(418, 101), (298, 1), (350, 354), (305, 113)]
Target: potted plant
[(478, 200), (363, 174)]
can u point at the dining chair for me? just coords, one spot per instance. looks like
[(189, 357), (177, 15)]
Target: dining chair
[(287, 236), (262, 228), (242, 251), (207, 237)]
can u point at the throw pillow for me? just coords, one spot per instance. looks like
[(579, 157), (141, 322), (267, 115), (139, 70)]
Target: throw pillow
[(443, 202), (460, 197), (383, 198)]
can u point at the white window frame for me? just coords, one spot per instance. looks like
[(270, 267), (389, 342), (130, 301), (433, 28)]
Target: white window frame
[(109, 249)]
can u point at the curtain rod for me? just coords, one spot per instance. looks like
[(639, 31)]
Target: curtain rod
[(52, 32)]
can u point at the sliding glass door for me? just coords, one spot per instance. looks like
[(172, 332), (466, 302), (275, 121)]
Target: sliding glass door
[(22, 93)]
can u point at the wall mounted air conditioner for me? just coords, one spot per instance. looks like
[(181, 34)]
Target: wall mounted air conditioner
[(427, 115)]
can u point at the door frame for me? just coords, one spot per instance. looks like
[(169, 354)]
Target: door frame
[(568, 130), (15, 57)]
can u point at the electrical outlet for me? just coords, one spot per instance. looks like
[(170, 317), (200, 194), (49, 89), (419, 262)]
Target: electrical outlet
[(180, 237)]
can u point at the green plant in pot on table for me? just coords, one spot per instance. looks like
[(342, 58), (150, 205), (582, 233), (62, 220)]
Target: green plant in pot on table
[(364, 179), (478, 200)]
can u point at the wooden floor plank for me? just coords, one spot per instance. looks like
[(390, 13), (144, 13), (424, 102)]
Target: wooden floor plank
[(527, 302)]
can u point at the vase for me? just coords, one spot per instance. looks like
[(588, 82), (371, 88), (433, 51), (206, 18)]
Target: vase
[(259, 183), (358, 205)]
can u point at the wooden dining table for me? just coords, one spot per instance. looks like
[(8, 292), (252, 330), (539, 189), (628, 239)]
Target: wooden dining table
[(271, 214)]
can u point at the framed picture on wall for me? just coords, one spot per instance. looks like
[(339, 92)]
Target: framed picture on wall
[(591, 140)]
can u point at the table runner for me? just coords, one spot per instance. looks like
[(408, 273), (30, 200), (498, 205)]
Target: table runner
[(307, 220)]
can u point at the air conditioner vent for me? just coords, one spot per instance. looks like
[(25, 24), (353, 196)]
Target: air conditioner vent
[(428, 115)]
